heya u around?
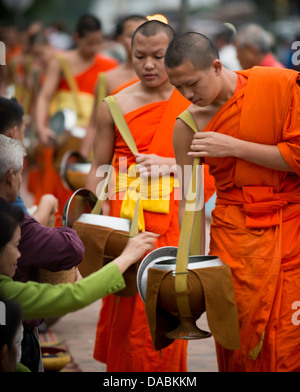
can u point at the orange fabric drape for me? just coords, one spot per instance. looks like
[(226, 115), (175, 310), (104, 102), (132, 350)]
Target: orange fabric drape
[(87, 79), (256, 222)]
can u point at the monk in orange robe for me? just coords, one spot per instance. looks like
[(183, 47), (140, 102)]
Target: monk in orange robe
[(150, 108), (248, 127), (82, 65), (115, 80)]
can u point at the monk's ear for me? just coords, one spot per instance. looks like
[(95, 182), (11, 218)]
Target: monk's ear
[(217, 66)]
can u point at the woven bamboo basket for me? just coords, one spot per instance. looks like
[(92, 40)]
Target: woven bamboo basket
[(67, 276)]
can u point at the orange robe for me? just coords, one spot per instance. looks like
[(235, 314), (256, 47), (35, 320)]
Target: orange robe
[(47, 178), (256, 222), (123, 339)]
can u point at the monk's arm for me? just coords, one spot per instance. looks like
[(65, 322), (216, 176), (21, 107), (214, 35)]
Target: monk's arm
[(213, 144), (87, 143), (53, 74), (103, 147)]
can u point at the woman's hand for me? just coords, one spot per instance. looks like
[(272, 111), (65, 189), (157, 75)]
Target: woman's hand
[(136, 248)]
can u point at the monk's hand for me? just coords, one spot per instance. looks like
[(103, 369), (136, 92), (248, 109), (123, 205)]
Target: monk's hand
[(213, 144), (152, 165), (47, 137)]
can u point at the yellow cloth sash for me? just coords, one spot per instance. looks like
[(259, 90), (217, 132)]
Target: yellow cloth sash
[(81, 102), (154, 194), (65, 100)]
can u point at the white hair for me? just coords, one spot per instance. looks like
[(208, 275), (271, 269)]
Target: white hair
[(12, 153), (256, 36)]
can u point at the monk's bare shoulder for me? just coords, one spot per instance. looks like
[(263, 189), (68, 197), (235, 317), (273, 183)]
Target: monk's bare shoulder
[(133, 89), (201, 115), (119, 75), (134, 97)]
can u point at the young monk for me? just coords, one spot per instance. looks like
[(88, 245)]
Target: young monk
[(84, 63), (150, 107), (113, 81), (248, 134)]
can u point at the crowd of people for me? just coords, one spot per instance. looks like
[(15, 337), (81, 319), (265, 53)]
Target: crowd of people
[(243, 102)]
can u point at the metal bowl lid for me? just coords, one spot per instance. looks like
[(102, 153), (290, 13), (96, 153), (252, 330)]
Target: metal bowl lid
[(107, 221)]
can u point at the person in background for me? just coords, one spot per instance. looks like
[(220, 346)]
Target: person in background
[(254, 47), (114, 80), (224, 41), (12, 125), (79, 68)]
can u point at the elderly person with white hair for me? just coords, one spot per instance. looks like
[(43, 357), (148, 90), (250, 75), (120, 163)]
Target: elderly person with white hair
[(254, 47)]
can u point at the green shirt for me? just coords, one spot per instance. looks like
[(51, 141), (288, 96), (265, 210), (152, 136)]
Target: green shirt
[(42, 300)]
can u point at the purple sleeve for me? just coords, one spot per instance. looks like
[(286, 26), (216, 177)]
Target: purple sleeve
[(49, 248)]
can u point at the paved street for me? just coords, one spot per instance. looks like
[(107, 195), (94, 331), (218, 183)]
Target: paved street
[(78, 332)]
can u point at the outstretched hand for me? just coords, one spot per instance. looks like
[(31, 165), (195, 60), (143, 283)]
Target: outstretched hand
[(139, 245), (135, 249)]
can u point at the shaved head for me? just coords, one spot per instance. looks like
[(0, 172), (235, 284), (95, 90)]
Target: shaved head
[(154, 27), (193, 47)]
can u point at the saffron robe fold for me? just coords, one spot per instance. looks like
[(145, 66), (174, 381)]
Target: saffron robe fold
[(256, 222), (46, 179), (123, 339)]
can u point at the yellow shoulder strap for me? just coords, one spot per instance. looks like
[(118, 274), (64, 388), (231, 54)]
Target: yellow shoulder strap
[(121, 123), (101, 88), (71, 82), (187, 117), (125, 132), (190, 240)]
